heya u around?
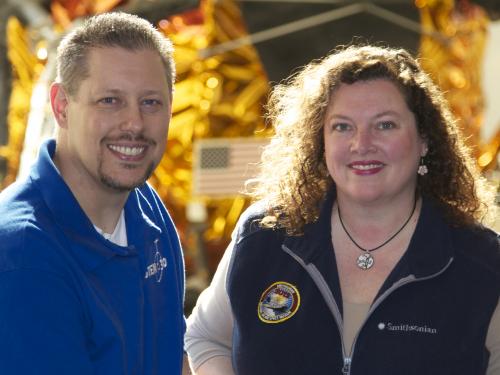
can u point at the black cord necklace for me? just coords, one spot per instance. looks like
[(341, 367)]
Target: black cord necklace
[(365, 261)]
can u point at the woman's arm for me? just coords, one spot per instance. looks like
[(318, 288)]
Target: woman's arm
[(208, 339), (493, 343), (216, 366)]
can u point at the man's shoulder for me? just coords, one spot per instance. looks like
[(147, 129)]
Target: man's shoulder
[(18, 204), (148, 199), (27, 231), (149, 204), (19, 192), (29, 246), (147, 191)]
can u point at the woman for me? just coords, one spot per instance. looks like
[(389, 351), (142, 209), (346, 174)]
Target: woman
[(365, 253)]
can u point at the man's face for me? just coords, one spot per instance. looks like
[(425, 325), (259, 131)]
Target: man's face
[(115, 127)]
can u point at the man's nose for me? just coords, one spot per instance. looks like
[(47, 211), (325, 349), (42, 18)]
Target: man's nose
[(132, 120)]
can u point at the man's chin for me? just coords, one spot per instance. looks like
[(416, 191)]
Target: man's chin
[(122, 186)]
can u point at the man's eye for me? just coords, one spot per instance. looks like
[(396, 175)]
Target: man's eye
[(151, 102), (108, 100)]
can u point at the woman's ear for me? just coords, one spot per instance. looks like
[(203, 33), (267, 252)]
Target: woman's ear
[(424, 148), (59, 101)]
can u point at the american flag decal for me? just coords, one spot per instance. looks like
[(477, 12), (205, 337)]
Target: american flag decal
[(214, 157), (222, 165)]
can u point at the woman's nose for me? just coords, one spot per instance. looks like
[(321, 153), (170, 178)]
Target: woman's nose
[(362, 141)]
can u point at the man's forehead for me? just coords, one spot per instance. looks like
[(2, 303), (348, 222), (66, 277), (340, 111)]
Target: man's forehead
[(142, 62), (115, 52)]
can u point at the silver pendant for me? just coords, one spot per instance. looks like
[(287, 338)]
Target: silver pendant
[(365, 261)]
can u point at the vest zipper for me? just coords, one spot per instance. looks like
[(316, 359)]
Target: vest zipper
[(330, 302), (347, 366), (406, 280), (334, 309)]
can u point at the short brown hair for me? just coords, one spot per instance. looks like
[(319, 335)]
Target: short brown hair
[(109, 30)]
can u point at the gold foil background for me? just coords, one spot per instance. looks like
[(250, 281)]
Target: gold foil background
[(456, 65), (223, 95), (219, 96), (26, 69)]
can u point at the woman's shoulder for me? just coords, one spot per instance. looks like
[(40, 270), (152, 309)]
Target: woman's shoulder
[(253, 221), (478, 245), (471, 242), (482, 237)]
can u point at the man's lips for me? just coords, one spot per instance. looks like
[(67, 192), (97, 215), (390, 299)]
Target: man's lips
[(127, 150), (128, 147), (130, 153)]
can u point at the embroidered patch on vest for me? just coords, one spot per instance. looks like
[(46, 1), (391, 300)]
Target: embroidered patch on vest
[(278, 303)]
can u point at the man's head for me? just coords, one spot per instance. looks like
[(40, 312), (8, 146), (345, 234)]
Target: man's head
[(112, 102), (109, 30)]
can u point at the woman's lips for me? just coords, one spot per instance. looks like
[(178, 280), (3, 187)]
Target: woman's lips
[(366, 167)]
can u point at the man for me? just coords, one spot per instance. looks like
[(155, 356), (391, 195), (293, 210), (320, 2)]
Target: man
[(91, 270)]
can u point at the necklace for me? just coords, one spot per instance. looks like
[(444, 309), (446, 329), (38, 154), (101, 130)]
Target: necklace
[(365, 261)]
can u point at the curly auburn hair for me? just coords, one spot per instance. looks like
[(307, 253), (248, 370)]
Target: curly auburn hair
[(294, 178)]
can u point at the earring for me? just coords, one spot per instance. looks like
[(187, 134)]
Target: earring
[(422, 168)]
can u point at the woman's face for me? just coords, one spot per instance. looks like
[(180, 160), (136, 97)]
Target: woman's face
[(372, 146)]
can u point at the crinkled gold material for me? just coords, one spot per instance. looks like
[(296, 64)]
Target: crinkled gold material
[(456, 65), (220, 96), (26, 69)]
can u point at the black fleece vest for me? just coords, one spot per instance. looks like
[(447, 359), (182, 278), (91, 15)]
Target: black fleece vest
[(430, 317)]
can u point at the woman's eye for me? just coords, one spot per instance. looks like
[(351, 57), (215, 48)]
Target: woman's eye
[(341, 127), (386, 125)]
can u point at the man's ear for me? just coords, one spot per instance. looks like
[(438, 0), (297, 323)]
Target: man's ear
[(59, 101)]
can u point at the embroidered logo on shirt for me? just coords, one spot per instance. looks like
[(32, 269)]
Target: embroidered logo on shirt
[(159, 264), (278, 303), (404, 327)]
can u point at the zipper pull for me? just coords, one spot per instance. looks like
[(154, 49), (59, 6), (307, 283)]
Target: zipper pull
[(347, 366)]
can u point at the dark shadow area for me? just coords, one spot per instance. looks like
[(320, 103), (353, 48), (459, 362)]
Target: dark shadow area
[(284, 54)]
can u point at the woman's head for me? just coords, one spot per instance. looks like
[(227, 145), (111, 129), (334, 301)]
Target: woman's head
[(372, 145), (295, 177)]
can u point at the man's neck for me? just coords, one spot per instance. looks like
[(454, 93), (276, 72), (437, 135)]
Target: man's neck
[(104, 211), (119, 235), (102, 206)]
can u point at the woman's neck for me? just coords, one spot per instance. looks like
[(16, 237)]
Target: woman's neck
[(373, 223)]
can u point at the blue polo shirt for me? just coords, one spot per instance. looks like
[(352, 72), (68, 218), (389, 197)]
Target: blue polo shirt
[(72, 302)]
